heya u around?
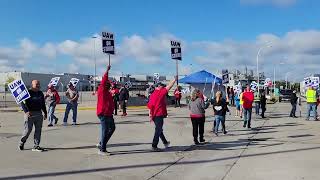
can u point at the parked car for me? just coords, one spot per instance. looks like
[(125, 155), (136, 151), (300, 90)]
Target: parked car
[(285, 95)]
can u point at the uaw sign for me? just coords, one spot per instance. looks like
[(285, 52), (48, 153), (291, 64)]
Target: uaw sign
[(107, 42), (74, 81), (19, 91), (156, 77), (253, 86), (54, 81), (225, 76), (176, 50), (307, 81)]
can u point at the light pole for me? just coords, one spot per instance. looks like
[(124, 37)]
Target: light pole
[(95, 64), (258, 54)]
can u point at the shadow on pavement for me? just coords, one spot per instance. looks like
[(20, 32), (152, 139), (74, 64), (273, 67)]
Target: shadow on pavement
[(136, 166)]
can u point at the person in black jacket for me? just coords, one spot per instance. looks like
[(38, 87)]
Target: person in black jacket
[(35, 112), (263, 103), (123, 98), (293, 101)]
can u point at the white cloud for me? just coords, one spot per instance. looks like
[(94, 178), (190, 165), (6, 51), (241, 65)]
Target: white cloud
[(278, 3)]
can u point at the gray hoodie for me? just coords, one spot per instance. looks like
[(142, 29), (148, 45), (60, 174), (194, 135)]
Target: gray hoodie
[(197, 107)]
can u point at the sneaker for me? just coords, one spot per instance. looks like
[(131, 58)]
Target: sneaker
[(104, 153), (202, 140), (156, 149), (167, 145), (56, 121), (98, 146), (216, 133), (38, 149), (21, 147), (225, 132), (50, 125), (307, 119), (196, 143), (249, 127)]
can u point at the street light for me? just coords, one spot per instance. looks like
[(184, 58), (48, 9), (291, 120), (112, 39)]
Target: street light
[(258, 54), (95, 63)]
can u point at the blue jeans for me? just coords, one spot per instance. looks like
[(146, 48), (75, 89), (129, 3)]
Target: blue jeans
[(257, 106), (158, 133), (218, 119), (312, 107), (74, 107), (247, 116), (107, 129), (51, 116)]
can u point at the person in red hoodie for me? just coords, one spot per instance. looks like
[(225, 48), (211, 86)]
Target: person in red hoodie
[(105, 108), (248, 98), (177, 95), (158, 111)]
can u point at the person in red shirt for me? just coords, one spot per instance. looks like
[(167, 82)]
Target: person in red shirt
[(247, 98), (158, 111), (177, 95), (115, 95), (105, 107), (52, 99)]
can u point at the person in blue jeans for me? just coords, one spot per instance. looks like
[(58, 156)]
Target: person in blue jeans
[(72, 95), (219, 109)]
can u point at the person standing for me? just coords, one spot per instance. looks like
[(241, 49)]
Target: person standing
[(35, 112), (105, 108), (177, 95), (123, 98), (232, 98), (311, 96), (72, 95), (263, 103), (241, 104), (52, 98), (115, 95), (158, 111), (220, 107), (257, 101), (248, 99), (294, 102), (197, 115)]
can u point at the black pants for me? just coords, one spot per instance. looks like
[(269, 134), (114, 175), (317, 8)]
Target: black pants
[(158, 133), (115, 107), (177, 102), (197, 128), (232, 100), (124, 106), (263, 108), (107, 129), (293, 110)]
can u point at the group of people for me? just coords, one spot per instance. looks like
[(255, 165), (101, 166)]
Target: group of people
[(107, 102)]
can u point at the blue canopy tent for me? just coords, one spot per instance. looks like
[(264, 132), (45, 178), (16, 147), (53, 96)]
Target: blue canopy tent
[(204, 81)]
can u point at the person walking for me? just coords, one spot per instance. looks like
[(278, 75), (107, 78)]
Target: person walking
[(72, 95), (158, 111), (115, 95), (35, 112), (52, 99), (294, 102), (220, 107), (105, 108), (263, 103), (241, 104), (257, 101), (248, 99), (311, 96), (123, 99), (197, 115), (177, 95), (237, 103)]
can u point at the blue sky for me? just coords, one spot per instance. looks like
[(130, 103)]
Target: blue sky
[(206, 27)]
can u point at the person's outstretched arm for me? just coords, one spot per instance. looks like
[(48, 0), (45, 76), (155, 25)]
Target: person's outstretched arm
[(170, 85)]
